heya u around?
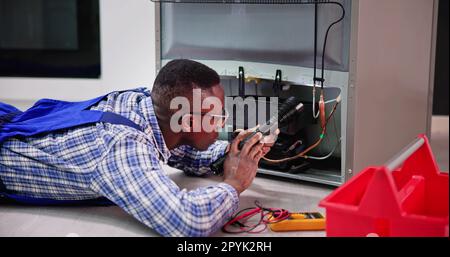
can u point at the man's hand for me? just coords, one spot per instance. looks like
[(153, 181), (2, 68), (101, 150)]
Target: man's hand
[(268, 141), (241, 165)]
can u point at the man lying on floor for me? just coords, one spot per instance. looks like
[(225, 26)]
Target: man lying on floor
[(111, 149)]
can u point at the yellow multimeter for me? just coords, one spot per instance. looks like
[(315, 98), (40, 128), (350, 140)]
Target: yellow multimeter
[(300, 222)]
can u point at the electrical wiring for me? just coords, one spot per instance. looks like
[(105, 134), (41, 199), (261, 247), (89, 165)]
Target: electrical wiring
[(326, 156), (316, 80), (322, 115), (239, 223), (326, 38), (315, 115), (322, 135), (331, 101), (321, 112), (338, 143), (303, 154), (322, 78)]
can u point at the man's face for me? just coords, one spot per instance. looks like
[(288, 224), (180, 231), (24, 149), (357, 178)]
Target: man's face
[(208, 120)]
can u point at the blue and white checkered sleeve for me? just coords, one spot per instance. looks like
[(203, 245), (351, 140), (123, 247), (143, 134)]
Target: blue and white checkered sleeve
[(131, 177), (194, 162)]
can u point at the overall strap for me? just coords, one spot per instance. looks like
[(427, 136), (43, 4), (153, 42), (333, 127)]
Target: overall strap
[(10, 196), (114, 118), (7, 113)]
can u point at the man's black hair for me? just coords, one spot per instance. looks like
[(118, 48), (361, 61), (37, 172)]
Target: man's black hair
[(178, 78)]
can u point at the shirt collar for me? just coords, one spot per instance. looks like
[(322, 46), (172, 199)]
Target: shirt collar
[(148, 112)]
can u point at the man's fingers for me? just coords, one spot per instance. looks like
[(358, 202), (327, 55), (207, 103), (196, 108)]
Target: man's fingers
[(254, 128), (270, 139), (241, 136), (256, 150), (235, 144), (259, 156), (265, 150), (249, 144)]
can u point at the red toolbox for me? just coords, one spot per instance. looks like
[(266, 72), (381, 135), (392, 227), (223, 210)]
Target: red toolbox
[(388, 201)]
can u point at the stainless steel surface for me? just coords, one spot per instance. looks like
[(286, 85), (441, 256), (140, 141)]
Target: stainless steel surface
[(392, 77), (349, 131), (316, 176), (432, 67)]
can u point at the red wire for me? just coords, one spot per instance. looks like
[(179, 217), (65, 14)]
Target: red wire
[(268, 216)]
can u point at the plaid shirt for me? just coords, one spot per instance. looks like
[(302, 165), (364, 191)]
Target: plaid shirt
[(124, 165)]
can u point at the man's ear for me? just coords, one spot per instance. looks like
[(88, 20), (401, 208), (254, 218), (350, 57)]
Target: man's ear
[(186, 123)]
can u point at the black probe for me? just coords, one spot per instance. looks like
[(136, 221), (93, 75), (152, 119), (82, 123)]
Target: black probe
[(290, 107)]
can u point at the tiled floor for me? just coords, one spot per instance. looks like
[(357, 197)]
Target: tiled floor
[(112, 221)]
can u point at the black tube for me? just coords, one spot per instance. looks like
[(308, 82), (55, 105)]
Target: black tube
[(326, 38), (289, 108), (315, 41), (241, 82)]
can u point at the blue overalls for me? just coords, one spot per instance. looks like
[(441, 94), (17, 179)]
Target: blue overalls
[(47, 116)]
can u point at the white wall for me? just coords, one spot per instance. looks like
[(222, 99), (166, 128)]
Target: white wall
[(127, 58)]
